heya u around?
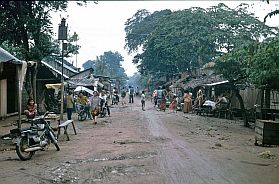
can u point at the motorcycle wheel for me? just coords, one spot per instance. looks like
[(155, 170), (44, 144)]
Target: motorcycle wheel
[(82, 116), (54, 140), (23, 144)]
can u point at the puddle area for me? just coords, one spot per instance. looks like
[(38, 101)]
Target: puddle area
[(70, 171)]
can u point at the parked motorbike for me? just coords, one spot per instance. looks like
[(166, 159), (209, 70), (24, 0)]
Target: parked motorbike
[(81, 111), (34, 138), (103, 108)]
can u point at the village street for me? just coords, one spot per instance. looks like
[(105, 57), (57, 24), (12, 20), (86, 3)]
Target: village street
[(135, 146)]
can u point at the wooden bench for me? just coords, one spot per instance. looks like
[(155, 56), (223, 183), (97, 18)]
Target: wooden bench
[(65, 126)]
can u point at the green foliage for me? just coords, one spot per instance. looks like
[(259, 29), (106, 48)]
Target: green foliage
[(256, 63), (25, 27), (232, 65), (180, 41), (145, 80), (135, 80), (264, 66), (72, 45), (108, 64), (88, 64)]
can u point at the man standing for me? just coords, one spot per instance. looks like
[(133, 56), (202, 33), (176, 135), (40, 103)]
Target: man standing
[(69, 105), (142, 99), (137, 91), (131, 94)]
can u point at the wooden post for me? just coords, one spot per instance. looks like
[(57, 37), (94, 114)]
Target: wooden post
[(34, 82), (62, 85), (19, 94)]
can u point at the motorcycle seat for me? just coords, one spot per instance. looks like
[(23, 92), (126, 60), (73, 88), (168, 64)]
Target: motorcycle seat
[(18, 130)]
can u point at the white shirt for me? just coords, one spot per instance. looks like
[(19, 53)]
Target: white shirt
[(142, 97), (210, 103), (104, 97)]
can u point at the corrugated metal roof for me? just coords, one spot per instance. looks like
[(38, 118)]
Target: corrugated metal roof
[(5, 56), (55, 70)]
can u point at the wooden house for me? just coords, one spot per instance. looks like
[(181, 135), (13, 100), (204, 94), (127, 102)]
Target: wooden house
[(12, 73)]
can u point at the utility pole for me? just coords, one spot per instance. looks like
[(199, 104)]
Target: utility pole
[(62, 35), (76, 39)]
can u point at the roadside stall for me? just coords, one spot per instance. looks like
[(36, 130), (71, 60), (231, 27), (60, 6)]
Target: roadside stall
[(12, 74)]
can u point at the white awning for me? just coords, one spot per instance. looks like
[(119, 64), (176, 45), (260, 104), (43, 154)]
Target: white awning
[(217, 83), (55, 86), (82, 88)]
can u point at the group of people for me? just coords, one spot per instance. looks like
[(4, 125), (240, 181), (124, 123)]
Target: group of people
[(160, 97), (187, 99), (92, 105), (131, 94), (221, 102)]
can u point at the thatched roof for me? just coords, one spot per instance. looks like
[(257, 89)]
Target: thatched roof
[(210, 64), (202, 80)]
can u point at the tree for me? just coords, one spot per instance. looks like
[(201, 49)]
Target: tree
[(26, 27), (88, 64), (270, 14), (108, 64), (73, 47), (255, 63), (180, 41)]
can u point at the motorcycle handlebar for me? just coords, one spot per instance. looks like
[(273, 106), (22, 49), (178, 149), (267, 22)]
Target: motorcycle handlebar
[(40, 117), (46, 113)]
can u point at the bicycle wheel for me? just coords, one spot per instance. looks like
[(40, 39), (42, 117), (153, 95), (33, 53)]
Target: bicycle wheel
[(82, 116)]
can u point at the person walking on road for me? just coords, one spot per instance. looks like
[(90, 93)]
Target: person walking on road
[(123, 95), (94, 102), (131, 94), (70, 105), (142, 99)]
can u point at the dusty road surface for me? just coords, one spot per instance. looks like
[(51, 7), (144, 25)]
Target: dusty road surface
[(135, 146)]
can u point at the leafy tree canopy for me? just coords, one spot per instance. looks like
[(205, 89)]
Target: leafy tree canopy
[(255, 63), (108, 64), (26, 27), (179, 41)]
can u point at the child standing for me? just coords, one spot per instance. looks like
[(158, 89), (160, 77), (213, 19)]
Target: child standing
[(142, 99)]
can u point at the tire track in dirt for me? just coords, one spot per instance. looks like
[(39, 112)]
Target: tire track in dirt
[(178, 161)]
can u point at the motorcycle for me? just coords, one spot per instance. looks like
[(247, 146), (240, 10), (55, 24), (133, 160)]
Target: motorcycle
[(34, 138), (81, 111), (103, 108), (115, 99)]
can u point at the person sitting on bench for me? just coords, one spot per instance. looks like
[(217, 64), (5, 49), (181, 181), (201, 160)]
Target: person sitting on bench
[(222, 102), (31, 110)]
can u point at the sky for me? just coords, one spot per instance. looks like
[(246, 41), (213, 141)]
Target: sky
[(101, 26)]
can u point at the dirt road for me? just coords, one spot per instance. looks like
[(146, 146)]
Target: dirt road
[(135, 146)]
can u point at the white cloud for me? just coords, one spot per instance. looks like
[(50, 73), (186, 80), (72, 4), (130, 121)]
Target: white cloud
[(101, 26)]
